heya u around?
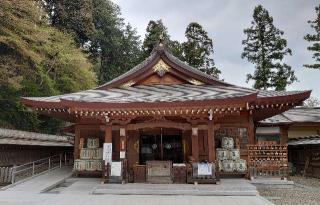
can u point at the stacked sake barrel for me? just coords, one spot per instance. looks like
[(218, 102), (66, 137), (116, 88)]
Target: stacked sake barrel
[(229, 158), (90, 156)]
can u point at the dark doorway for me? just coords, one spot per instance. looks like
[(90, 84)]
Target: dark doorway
[(161, 144)]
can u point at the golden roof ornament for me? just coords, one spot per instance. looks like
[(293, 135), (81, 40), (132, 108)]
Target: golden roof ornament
[(161, 68), (127, 84), (195, 82)]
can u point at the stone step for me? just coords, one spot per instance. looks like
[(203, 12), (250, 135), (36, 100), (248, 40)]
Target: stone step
[(175, 189)]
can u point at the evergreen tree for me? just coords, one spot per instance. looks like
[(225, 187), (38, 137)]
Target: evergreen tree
[(73, 17), (198, 50), (35, 60), (116, 46), (265, 47), (154, 30), (113, 46), (315, 40)]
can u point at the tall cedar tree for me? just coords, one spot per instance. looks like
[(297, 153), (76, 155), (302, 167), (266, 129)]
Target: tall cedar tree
[(113, 46), (265, 47), (198, 50), (73, 17), (154, 30), (35, 60), (315, 40)]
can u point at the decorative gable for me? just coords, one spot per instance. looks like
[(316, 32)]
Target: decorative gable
[(161, 68)]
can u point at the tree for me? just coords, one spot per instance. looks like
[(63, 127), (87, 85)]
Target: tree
[(73, 17), (265, 47), (113, 46), (154, 30), (116, 46), (35, 60), (315, 40), (198, 49)]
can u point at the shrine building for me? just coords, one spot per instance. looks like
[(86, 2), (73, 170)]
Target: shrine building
[(164, 110)]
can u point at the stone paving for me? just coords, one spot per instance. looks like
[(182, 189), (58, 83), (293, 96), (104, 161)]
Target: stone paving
[(83, 191), (43, 181), (228, 187)]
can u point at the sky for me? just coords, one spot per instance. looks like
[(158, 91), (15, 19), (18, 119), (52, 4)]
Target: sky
[(224, 20)]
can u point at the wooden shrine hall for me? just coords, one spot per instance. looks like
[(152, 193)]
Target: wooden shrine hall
[(164, 121)]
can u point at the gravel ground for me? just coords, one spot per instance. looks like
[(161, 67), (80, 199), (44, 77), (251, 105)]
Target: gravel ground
[(312, 182), (296, 195)]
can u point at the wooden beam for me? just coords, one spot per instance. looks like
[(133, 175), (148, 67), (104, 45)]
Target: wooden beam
[(211, 145)]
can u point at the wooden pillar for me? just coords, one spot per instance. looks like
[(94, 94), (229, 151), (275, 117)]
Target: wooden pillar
[(76, 142), (211, 145), (195, 144), (283, 134), (123, 143), (108, 134), (251, 131)]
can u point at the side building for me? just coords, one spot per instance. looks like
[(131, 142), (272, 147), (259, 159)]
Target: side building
[(300, 129)]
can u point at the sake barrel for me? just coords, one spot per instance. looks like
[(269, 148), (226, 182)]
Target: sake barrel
[(99, 165), (227, 143), (91, 165), (241, 165), (89, 142), (79, 165), (222, 154), (97, 153), (93, 142), (228, 166), (220, 165), (86, 153), (234, 154)]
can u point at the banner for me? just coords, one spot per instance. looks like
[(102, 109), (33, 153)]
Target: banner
[(107, 152)]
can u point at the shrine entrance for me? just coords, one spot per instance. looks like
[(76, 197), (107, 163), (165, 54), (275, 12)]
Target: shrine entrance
[(162, 144)]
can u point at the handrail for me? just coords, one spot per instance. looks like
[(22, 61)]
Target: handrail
[(52, 161), (37, 160)]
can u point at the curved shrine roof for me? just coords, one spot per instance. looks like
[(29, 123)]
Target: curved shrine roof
[(164, 79)]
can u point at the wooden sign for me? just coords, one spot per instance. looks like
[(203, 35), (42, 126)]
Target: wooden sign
[(122, 154), (204, 169), (116, 168)]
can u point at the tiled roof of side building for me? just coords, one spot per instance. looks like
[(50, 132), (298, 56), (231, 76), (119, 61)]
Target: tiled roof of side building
[(296, 115), (18, 137)]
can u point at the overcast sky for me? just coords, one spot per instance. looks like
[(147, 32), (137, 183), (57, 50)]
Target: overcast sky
[(225, 20)]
